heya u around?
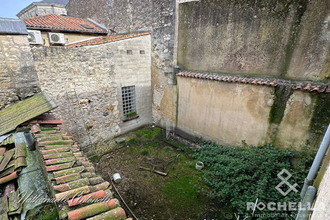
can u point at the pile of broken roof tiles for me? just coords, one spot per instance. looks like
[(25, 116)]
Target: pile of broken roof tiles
[(80, 192), (12, 160), (296, 85)]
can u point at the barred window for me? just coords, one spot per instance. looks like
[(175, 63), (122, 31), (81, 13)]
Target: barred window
[(128, 95)]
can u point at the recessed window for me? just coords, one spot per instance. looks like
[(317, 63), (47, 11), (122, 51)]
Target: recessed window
[(128, 96), (129, 52), (142, 52)]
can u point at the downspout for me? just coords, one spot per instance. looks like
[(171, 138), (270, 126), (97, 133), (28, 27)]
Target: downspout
[(317, 162), (305, 209)]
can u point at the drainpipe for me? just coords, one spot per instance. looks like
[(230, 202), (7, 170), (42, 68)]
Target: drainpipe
[(305, 209), (317, 162)]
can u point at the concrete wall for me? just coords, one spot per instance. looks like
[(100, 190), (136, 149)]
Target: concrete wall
[(229, 113), (279, 38), (18, 77), (97, 73), (158, 16), (224, 111), (322, 202)]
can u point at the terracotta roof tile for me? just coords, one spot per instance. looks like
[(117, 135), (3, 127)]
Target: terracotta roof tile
[(72, 173), (63, 23), (106, 39), (319, 87)]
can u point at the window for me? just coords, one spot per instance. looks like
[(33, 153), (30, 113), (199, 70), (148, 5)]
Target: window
[(128, 96), (130, 52), (142, 52)]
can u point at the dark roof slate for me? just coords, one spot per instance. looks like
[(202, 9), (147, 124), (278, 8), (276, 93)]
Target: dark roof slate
[(12, 26)]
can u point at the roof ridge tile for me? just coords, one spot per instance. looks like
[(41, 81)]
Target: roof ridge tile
[(319, 87)]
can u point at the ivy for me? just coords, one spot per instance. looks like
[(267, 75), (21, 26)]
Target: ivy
[(240, 174)]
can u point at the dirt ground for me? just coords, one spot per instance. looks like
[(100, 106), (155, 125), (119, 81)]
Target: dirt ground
[(177, 196)]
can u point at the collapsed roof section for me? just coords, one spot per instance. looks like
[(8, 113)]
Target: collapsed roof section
[(40, 162), (24, 110)]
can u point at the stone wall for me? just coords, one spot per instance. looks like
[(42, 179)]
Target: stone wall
[(97, 74), (18, 77), (157, 16), (38, 9), (282, 39), (271, 37)]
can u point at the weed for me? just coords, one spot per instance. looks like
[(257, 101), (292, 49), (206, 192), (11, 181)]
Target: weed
[(149, 134), (94, 159), (145, 153), (168, 148), (134, 141)]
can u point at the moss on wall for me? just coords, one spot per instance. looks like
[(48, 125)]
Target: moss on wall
[(239, 36), (301, 6), (282, 95), (320, 119)]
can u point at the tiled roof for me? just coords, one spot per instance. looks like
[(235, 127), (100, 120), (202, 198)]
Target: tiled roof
[(23, 111), (106, 39), (63, 23), (319, 87), (70, 173), (12, 161)]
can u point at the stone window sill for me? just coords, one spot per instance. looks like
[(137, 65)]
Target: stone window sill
[(131, 118)]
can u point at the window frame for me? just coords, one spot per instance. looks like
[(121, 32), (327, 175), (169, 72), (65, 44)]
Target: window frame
[(128, 95)]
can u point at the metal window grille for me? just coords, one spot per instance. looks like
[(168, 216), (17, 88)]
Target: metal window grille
[(128, 96)]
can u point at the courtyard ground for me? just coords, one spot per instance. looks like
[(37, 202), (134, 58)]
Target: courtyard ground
[(179, 195)]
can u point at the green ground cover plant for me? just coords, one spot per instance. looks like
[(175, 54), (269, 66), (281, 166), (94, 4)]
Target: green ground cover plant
[(240, 174)]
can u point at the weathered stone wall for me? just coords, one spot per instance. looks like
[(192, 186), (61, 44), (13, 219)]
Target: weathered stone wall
[(267, 38), (157, 16), (40, 9), (271, 37), (18, 77), (278, 38), (97, 73)]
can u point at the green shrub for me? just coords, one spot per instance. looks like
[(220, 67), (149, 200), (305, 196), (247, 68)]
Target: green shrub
[(237, 175)]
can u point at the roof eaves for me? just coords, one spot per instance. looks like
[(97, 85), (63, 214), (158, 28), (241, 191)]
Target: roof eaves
[(89, 43), (64, 30)]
